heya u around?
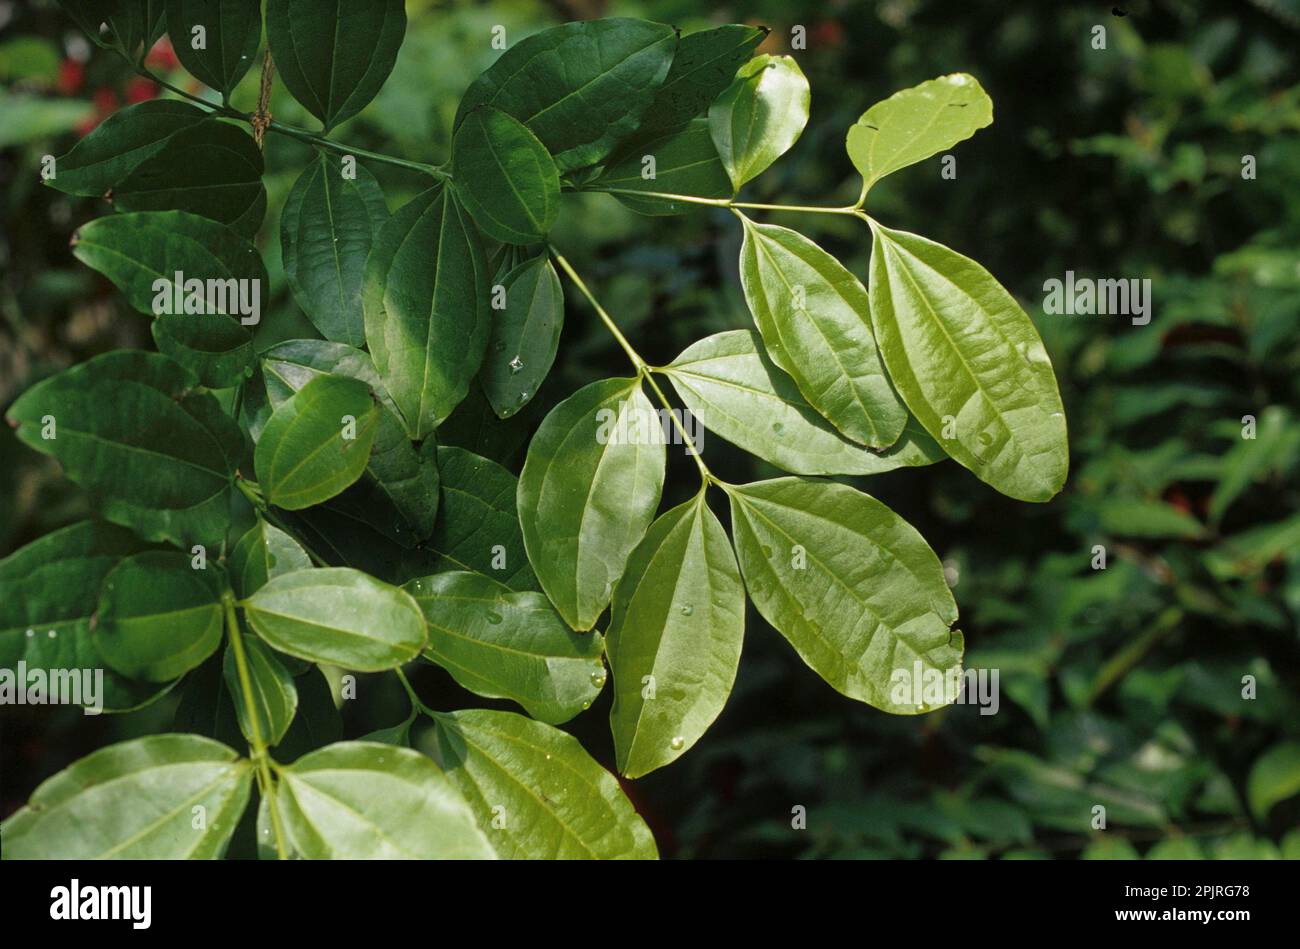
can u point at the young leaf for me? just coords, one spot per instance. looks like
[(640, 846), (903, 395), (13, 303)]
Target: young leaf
[(158, 617), (120, 143), (535, 792), (317, 443), (157, 457), (588, 491), (502, 644), (358, 800), (264, 552), (215, 348), (326, 230), (581, 87), (677, 622), (505, 177), (916, 123), (212, 169), (340, 616), (685, 162), (135, 800), (216, 40), (815, 319), (426, 312), (478, 527), (853, 587), (274, 695), (759, 116), (969, 364), (51, 590), (525, 336), (333, 55), (705, 63)]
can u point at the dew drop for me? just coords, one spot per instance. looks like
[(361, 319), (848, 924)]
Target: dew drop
[(687, 609), (516, 364), (778, 427), (500, 347), (598, 678), (678, 743), (494, 618), (523, 397)]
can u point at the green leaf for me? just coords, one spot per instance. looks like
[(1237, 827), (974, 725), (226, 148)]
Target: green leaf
[(135, 800), (853, 587), (503, 644), (90, 15), (1133, 517), (968, 362), (120, 143), (505, 177), (316, 443), (143, 251), (158, 617), (580, 87), (358, 800), (137, 24), (705, 63), (52, 589), (675, 633), (525, 336), (916, 123), (334, 56), (340, 616), (535, 792), (759, 116), (1274, 777), (231, 31), (685, 162), (274, 695), (815, 319), (588, 491), (215, 348), (264, 552), (326, 230), (212, 169), (426, 313), (155, 456), (478, 527)]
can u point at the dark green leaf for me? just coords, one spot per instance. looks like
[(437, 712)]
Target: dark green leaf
[(229, 32), (685, 162), (525, 336), (505, 177), (703, 68), (215, 348), (262, 553)]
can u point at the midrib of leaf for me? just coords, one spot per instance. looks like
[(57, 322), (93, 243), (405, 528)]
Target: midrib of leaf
[(427, 359), (604, 70), (333, 229), (292, 779), (139, 449), (876, 174), (335, 630), (307, 457), (519, 199)]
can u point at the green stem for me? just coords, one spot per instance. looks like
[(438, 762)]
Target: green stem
[(416, 704), (260, 756), (730, 202)]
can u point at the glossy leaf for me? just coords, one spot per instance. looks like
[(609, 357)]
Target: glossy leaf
[(505, 177), (914, 124), (685, 162), (853, 587), (264, 552), (275, 697), (478, 524), (759, 116), (504, 644), (316, 443), (547, 797), (135, 800), (703, 67), (815, 320), (588, 491), (525, 336), (968, 362), (229, 33), (216, 348), (158, 617), (367, 801), (676, 627), (340, 616), (580, 87), (326, 230), (426, 308)]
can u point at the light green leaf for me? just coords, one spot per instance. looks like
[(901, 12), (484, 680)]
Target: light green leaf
[(262, 553), (1274, 777), (426, 308), (703, 67), (525, 336), (968, 362), (215, 348), (505, 177), (853, 587), (316, 443), (135, 800), (503, 644), (815, 319), (478, 525), (535, 792), (759, 116), (1134, 517), (580, 87), (326, 230), (274, 695), (158, 617), (916, 123), (334, 55), (338, 615), (685, 162), (678, 620), (231, 31), (588, 491), (358, 800)]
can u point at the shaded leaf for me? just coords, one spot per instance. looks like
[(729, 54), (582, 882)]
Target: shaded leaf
[(525, 336), (759, 116), (505, 177)]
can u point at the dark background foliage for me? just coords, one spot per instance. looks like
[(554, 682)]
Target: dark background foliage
[(1120, 687)]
